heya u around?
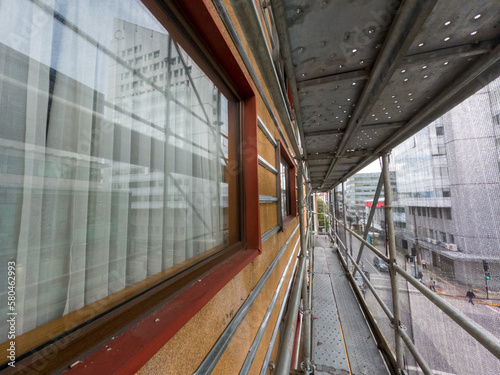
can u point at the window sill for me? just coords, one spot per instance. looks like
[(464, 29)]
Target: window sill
[(142, 326), (288, 220), (130, 351)]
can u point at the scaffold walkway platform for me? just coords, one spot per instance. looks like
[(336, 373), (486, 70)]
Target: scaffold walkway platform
[(342, 341)]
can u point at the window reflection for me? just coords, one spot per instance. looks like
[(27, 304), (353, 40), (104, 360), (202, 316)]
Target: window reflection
[(113, 152)]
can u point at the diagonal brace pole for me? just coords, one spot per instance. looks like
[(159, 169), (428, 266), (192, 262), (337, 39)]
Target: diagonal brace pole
[(370, 216)]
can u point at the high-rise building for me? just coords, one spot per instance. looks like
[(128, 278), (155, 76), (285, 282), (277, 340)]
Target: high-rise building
[(448, 178), (360, 191)]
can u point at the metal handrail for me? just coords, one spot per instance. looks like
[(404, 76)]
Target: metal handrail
[(485, 338), (367, 244), (406, 339), (370, 286), (475, 330)]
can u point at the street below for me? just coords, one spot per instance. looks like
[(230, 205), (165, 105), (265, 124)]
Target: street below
[(447, 348)]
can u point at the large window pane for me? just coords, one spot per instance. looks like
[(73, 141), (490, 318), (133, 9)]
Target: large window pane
[(115, 149)]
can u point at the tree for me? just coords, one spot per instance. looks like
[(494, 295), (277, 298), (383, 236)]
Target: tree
[(322, 214)]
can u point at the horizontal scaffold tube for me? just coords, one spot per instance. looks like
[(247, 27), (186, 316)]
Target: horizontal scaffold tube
[(367, 244), (370, 286), (485, 338)]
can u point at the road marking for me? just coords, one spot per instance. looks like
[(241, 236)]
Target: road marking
[(463, 299), (380, 277), (496, 310), (435, 372), (402, 290)]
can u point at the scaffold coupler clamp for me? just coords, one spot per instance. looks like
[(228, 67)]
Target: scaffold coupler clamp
[(307, 367)]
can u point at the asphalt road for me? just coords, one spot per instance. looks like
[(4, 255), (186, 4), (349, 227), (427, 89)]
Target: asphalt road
[(446, 347)]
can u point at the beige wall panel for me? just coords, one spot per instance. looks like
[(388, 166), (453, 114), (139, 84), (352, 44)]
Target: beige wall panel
[(268, 216), (266, 339), (187, 349), (267, 182), (267, 119), (235, 354), (266, 149)]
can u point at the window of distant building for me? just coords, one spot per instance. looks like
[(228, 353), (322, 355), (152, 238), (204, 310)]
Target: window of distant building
[(434, 212), (496, 119), (442, 236)]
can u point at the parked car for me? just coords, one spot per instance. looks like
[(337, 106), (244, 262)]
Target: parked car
[(380, 264)]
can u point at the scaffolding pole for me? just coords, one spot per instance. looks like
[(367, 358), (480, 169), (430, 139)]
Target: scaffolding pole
[(344, 222), (392, 260), (305, 292), (370, 216)]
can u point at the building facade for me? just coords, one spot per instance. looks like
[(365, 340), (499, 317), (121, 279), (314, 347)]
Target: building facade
[(359, 191), (447, 179), (138, 189)]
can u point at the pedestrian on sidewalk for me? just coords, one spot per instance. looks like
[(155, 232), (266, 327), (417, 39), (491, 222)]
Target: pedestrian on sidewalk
[(471, 295), (432, 285), (424, 264), (420, 275)]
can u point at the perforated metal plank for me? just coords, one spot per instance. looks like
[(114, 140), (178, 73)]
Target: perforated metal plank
[(328, 347), (363, 354), (320, 261)]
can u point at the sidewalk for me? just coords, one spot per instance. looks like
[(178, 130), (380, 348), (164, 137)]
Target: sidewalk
[(445, 285)]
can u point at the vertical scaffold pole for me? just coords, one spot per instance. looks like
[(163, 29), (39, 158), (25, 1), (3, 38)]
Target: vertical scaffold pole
[(392, 256), (370, 217), (334, 216), (305, 293), (345, 224)]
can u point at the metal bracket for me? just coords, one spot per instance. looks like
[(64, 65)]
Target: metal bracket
[(307, 368), (265, 3), (271, 366)]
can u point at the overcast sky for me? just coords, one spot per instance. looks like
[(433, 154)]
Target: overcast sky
[(372, 168)]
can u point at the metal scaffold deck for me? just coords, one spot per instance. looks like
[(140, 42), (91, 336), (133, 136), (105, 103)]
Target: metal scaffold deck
[(342, 341)]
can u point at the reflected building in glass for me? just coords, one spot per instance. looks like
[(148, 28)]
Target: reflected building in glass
[(114, 155)]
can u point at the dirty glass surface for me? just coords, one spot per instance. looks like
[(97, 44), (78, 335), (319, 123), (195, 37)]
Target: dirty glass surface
[(115, 148)]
